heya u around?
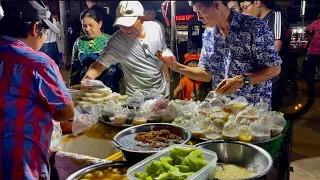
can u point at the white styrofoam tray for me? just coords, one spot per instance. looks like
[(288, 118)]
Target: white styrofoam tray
[(206, 173)]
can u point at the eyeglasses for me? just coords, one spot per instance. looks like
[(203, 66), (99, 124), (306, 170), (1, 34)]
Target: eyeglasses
[(246, 7)]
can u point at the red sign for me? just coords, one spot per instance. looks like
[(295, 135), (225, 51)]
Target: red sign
[(185, 17)]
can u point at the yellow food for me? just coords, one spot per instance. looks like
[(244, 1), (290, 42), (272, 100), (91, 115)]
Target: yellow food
[(244, 137), (231, 171), (106, 174)]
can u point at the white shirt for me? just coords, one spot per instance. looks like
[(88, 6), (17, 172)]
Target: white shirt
[(51, 36), (141, 69)]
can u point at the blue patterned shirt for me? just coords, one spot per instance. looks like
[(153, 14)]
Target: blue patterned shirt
[(248, 48)]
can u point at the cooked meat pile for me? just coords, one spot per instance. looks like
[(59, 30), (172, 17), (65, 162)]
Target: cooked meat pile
[(160, 138)]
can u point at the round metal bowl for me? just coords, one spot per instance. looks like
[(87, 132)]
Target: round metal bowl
[(80, 173), (242, 154), (136, 156)]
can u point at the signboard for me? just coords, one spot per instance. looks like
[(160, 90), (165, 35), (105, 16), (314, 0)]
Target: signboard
[(184, 18)]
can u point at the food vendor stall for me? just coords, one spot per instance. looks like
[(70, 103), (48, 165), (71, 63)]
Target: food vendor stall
[(100, 112)]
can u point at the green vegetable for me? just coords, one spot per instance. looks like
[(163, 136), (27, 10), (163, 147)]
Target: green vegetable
[(154, 167), (180, 165), (141, 175)]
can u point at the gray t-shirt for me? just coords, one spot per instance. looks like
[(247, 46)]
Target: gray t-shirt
[(141, 68)]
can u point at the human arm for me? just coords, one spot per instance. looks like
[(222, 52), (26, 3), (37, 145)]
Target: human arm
[(266, 61), (167, 74), (195, 73), (53, 93), (177, 90), (109, 56)]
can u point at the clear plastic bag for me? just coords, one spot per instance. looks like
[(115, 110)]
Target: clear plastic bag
[(205, 108), (213, 96), (236, 105), (153, 94), (230, 131), (245, 133), (92, 85), (250, 113), (56, 136), (120, 116), (141, 117), (277, 122), (213, 133), (85, 117), (136, 99), (257, 129), (75, 94)]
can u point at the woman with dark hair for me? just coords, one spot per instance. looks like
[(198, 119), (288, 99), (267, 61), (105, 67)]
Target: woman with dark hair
[(88, 48)]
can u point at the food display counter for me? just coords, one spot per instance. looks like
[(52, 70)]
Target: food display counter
[(145, 124)]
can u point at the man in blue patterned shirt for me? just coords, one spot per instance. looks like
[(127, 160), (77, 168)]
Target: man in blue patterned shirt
[(238, 53)]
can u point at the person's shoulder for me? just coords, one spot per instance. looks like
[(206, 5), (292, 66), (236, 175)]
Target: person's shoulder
[(151, 25), (254, 24)]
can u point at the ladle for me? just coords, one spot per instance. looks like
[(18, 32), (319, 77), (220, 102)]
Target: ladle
[(117, 145)]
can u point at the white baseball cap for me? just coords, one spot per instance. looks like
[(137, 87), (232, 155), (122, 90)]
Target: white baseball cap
[(128, 12)]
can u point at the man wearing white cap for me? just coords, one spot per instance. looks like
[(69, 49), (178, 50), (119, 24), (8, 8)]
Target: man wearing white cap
[(134, 46)]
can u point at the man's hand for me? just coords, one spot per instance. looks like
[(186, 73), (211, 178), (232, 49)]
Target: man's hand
[(167, 57), (231, 85)]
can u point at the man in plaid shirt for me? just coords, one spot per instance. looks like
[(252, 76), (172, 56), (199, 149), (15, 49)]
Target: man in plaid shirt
[(32, 92)]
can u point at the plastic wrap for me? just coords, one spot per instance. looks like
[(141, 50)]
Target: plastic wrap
[(56, 136), (85, 117)]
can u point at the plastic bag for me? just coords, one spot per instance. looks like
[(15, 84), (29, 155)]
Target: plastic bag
[(136, 99), (141, 117), (120, 117), (213, 96), (153, 94), (250, 113), (92, 85), (213, 134), (245, 133), (75, 94), (257, 129), (56, 136), (230, 131), (277, 122), (205, 108), (236, 105), (84, 118)]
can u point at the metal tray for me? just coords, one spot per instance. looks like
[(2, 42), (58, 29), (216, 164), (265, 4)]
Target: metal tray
[(256, 143)]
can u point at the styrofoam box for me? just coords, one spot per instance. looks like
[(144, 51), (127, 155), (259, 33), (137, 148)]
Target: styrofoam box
[(206, 173)]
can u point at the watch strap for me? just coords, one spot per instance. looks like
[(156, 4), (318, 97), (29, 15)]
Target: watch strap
[(246, 80)]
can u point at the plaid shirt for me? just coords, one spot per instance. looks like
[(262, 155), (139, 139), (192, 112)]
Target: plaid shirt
[(31, 90)]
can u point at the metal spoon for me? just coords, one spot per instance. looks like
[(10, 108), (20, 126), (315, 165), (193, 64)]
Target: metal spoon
[(117, 145)]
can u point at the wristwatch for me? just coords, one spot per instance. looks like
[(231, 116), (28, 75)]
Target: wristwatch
[(246, 80)]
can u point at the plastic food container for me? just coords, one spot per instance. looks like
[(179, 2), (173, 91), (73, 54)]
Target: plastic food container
[(206, 173)]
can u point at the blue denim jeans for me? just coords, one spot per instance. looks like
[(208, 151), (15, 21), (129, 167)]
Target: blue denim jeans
[(51, 49)]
